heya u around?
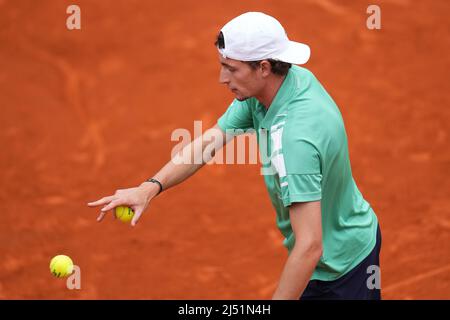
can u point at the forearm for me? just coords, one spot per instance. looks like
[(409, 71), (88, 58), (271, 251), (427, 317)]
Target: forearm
[(172, 174), (297, 272), (186, 162)]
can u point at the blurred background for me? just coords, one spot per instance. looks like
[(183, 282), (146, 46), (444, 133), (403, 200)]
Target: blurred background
[(86, 112)]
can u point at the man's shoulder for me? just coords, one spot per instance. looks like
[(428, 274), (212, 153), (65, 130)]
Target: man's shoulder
[(307, 93), (302, 73)]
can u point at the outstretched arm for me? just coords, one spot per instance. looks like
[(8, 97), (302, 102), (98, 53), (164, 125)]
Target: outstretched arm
[(178, 169), (183, 165)]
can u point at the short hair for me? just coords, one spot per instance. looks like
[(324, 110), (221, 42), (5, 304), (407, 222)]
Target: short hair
[(220, 41), (278, 67)]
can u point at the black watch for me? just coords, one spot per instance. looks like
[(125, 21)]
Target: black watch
[(157, 182)]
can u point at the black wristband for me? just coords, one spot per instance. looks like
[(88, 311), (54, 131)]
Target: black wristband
[(156, 181)]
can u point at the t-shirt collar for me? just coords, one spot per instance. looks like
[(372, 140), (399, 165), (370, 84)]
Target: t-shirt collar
[(281, 97)]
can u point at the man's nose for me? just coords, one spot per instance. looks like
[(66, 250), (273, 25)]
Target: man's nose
[(223, 78)]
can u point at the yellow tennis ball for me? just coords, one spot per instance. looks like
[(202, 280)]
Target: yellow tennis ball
[(124, 214), (61, 266)]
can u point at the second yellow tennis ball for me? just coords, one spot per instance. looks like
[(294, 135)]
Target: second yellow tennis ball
[(124, 214), (61, 266)]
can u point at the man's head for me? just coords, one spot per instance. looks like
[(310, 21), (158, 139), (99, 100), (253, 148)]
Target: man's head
[(248, 78), (254, 48)]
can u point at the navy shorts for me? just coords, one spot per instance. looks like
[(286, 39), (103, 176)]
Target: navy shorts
[(351, 286)]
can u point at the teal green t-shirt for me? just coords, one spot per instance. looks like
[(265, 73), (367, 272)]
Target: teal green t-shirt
[(304, 152)]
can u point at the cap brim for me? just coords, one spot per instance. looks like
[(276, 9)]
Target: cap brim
[(296, 53)]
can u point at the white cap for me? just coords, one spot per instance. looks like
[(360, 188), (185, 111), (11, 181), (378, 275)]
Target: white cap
[(255, 36)]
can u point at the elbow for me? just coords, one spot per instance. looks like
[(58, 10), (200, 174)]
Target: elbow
[(319, 252), (316, 251), (312, 249)]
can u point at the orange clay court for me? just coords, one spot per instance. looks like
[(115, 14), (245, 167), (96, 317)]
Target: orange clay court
[(86, 112)]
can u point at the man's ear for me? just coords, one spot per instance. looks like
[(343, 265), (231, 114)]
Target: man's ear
[(266, 68)]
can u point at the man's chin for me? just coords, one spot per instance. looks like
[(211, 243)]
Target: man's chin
[(238, 96), (242, 98)]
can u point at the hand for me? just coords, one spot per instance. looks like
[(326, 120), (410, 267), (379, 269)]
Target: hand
[(137, 198)]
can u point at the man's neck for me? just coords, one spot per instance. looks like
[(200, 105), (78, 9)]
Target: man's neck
[(270, 91)]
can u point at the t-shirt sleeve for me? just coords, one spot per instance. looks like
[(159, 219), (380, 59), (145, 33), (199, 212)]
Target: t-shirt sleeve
[(238, 117), (302, 178)]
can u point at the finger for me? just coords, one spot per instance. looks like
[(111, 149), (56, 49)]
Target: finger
[(113, 204), (103, 200), (101, 216), (137, 215)]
